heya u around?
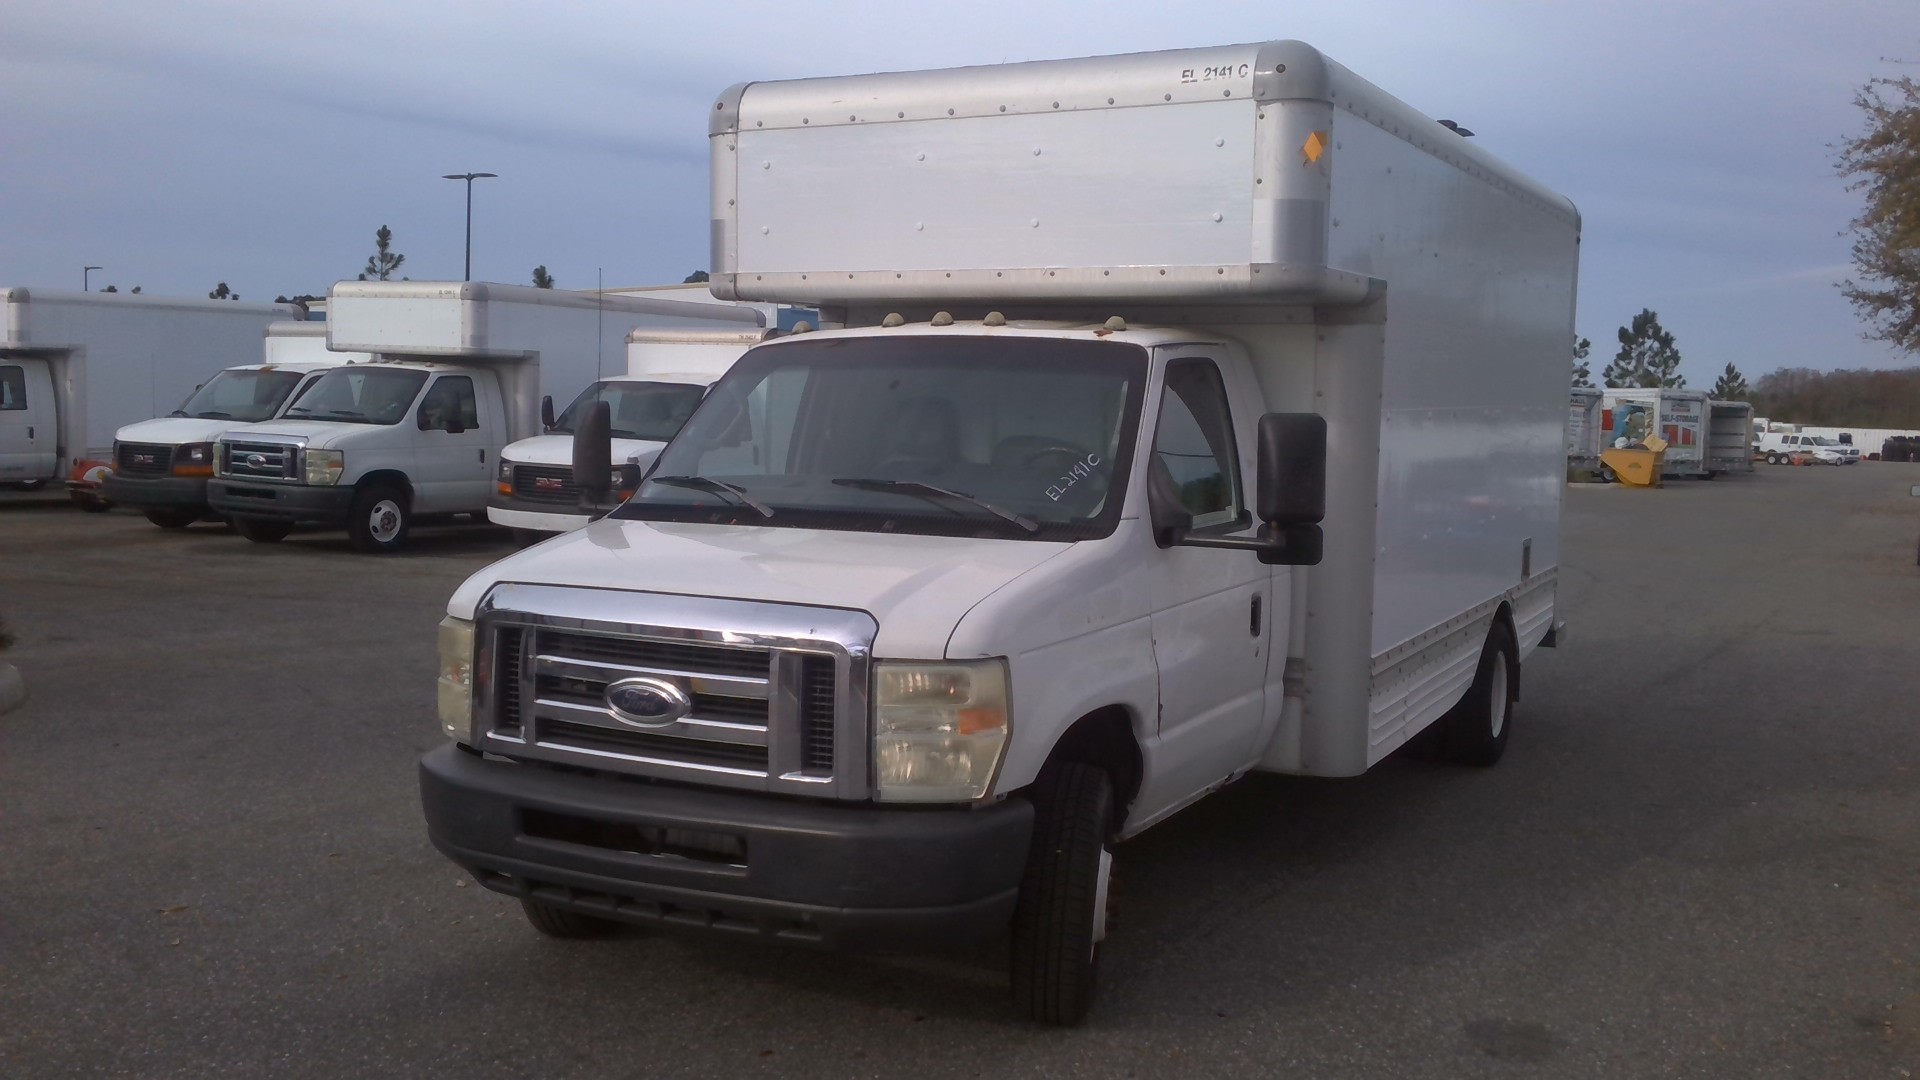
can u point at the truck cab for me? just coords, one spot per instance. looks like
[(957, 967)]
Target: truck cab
[(369, 448), (161, 466)]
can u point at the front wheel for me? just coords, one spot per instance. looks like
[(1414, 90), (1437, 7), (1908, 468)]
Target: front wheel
[(262, 532), (379, 519), (1477, 728), (173, 518), (1061, 916), (91, 504)]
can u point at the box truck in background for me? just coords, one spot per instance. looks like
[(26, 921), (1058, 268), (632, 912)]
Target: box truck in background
[(668, 372), (76, 367), (1729, 437), (161, 466), (459, 372), (921, 613), (1630, 414), (1583, 428)]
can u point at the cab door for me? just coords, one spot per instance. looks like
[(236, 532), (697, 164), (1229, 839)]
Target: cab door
[(450, 451), (29, 423), (1212, 612)]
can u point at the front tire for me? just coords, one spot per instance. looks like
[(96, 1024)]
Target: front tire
[(1477, 728), (173, 518), (1061, 916), (91, 504), (558, 922), (379, 520), (262, 532)]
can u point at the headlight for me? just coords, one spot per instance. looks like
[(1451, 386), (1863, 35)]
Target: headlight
[(323, 467), (193, 459), (456, 679), (938, 729), (506, 471)]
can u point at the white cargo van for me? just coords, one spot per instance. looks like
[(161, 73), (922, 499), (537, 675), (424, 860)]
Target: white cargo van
[(161, 466), (1631, 414), (921, 613), (459, 371), (668, 372), (76, 367)]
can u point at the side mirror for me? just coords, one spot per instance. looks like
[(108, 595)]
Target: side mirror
[(593, 455), (1293, 469), (546, 413), (1171, 520)]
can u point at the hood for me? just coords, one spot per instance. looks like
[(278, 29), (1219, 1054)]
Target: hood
[(558, 450), (916, 587), (174, 431), (319, 434)]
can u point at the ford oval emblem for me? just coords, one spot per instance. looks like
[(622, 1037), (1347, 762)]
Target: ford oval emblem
[(256, 460), (647, 702)]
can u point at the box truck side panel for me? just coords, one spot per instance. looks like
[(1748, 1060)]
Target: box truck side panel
[(1478, 314)]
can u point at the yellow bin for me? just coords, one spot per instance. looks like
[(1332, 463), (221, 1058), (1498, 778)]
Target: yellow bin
[(1637, 466)]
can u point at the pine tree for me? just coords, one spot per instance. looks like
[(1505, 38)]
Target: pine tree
[(383, 262), (1582, 371), (542, 279), (1647, 355), (1731, 386), (221, 292), (695, 278), (1885, 164), (111, 288)]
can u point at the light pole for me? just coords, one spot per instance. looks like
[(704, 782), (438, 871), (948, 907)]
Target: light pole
[(86, 272), (469, 177)]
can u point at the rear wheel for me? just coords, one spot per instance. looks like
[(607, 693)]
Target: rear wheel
[(1061, 916), (262, 532), (1477, 728), (379, 519), (173, 517), (561, 923)]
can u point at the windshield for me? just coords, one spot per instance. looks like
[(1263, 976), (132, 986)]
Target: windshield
[(640, 410), (1001, 437), (1819, 440), (249, 395), (361, 394)]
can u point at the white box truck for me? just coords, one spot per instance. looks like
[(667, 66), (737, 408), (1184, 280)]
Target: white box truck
[(668, 372), (459, 372), (76, 367), (1630, 414), (1729, 437), (161, 466), (1583, 428), (921, 613)]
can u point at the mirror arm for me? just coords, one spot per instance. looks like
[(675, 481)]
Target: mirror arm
[(1274, 545)]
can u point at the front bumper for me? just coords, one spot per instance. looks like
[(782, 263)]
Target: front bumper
[(280, 502), (156, 492), (539, 516), (638, 851)]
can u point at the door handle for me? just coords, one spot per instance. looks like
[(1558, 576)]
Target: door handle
[(483, 457), (29, 431), (1253, 623)]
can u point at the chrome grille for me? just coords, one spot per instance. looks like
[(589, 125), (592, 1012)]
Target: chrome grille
[(773, 711), (258, 461), (545, 483), (143, 459)]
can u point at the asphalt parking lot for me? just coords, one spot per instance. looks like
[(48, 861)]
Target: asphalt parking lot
[(1701, 856)]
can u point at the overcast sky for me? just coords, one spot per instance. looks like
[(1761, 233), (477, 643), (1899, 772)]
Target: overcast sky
[(261, 144)]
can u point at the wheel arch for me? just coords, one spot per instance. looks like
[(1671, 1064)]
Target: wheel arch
[(392, 477), (1104, 738)]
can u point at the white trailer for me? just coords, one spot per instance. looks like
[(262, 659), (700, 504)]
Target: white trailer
[(1630, 414), (921, 613), (1730, 438), (668, 372), (1583, 428), (75, 367), (460, 370), (161, 466)]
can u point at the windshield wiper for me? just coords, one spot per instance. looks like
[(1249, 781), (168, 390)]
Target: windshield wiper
[(915, 487), (708, 483), (331, 414), (214, 415)]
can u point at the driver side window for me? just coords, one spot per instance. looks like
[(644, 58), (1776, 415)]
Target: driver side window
[(450, 400), (1194, 442)]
